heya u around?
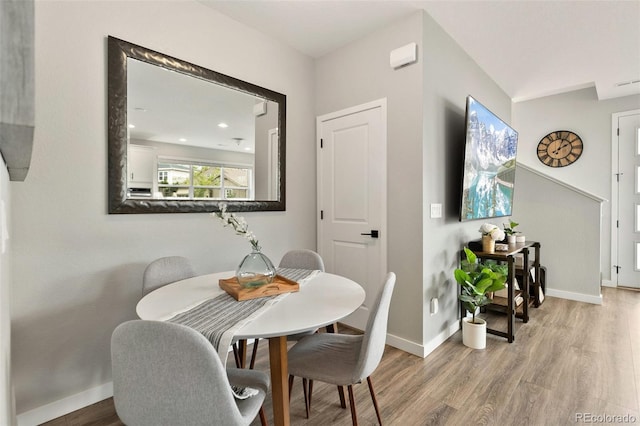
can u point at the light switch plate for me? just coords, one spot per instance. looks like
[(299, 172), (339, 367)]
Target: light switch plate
[(436, 211)]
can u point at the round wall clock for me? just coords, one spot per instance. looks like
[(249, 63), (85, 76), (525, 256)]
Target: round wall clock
[(559, 148)]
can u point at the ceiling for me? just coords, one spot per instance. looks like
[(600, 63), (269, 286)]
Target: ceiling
[(530, 48), (175, 108)]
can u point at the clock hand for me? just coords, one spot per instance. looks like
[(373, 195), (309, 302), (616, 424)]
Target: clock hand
[(562, 145)]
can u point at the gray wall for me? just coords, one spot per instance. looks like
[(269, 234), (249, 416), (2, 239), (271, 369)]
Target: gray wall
[(425, 103), (450, 75), (78, 270), (185, 151), (567, 224), (579, 111), (360, 73)]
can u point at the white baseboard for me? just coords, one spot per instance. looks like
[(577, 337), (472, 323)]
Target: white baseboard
[(405, 345), (578, 297), (64, 406), (422, 350), (608, 283)]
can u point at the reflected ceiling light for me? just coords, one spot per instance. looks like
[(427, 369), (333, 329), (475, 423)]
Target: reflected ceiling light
[(182, 140), (131, 126), (248, 148), (223, 125)]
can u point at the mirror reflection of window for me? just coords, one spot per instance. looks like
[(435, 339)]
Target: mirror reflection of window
[(184, 180)]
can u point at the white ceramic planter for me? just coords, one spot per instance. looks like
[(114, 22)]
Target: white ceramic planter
[(474, 335), (511, 239), (520, 238)]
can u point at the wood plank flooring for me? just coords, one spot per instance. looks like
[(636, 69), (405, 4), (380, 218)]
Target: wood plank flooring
[(571, 358)]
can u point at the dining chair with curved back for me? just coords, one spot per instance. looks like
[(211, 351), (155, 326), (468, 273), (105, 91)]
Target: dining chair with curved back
[(302, 259), (165, 270), (345, 360), (296, 259), (170, 374)]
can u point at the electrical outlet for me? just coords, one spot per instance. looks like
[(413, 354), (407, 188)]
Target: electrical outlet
[(434, 306)]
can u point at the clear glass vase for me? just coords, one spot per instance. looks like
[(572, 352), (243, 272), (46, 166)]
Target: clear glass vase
[(255, 270)]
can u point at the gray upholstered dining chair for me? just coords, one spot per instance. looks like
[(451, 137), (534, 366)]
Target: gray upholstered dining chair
[(169, 374), (302, 259), (166, 270), (296, 259), (342, 359)]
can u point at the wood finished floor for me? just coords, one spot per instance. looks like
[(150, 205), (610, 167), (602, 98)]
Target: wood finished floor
[(570, 358)]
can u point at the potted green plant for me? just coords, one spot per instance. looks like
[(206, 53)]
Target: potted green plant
[(511, 231), (476, 280)]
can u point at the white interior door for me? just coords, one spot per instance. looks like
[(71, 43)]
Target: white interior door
[(628, 219), (352, 182)]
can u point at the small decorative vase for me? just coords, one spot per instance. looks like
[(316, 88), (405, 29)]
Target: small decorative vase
[(474, 335), (511, 239), (488, 244), (520, 238), (255, 270)]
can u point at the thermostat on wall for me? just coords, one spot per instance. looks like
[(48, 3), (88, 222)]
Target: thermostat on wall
[(404, 55)]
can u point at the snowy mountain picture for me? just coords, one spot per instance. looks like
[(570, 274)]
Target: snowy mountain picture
[(490, 164)]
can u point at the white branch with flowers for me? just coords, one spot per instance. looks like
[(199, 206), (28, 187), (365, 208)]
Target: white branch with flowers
[(238, 223), (256, 269)]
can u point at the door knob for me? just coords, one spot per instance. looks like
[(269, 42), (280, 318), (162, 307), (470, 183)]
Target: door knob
[(374, 233)]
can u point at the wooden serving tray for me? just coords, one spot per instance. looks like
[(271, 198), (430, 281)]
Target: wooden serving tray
[(279, 285)]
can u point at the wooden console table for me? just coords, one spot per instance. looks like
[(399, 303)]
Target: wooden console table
[(509, 256)]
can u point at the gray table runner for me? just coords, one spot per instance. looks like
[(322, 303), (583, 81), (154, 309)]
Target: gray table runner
[(219, 318)]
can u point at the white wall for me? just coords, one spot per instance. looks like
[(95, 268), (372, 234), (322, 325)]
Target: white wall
[(450, 75), (581, 112), (77, 270), (7, 413)]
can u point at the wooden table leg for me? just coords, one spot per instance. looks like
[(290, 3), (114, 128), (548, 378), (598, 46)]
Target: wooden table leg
[(279, 376), (242, 348)]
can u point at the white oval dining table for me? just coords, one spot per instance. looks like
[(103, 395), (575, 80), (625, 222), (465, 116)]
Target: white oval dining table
[(323, 299)]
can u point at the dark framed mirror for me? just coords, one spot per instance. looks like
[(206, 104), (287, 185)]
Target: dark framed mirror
[(183, 138)]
